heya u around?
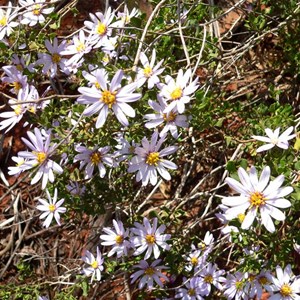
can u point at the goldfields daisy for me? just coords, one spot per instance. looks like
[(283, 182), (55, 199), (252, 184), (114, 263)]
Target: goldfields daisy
[(170, 120), (285, 286), (51, 208), (257, 195), (91, 158), (95, 265), (6, 21), (40, 156), (149, 160), (149, 72), (149, 274), (104, 99), (178, 91), (193, 289), (35, 10), (116, 238), (149, 239), (275, 139), (54, 59)]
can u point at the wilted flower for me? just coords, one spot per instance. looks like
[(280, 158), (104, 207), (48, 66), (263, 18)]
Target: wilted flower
[(275, 139), (257, 194)]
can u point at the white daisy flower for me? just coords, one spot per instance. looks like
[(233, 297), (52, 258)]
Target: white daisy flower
[(51, 208), (275, 139), (95, 265), (178, 91), (285, 286), (35, 10), (116, 238), (149, 160), (234, 286), (106, 98), (149, 274), (257, 195), (6, 23), (149, 239), (193, 289)]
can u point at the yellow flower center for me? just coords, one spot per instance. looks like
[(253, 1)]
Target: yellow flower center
[(150, 239), (3, 21), (108, 98), (263, 280), (56, 58), (239, 285), (80, 47), (32, 109), (97, 85), (95, 158), (94, 264), (208, 279), (191, 292), (20, 163), (149, 271), (251, 277), (257, 199), (106, 58), (153, 159), (286, 290), (52, 207), (148, 71), (17, 85), (40, 156), (194, 261), (169, 117), (101, 28), (18, 110), (176, 94), (36, 9), (19, 67), (119, 239)]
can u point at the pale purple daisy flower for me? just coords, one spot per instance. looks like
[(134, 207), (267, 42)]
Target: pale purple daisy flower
[(91, 158), (95, 77), (149, 274), (274, 138), (75, 188), (79, 46), (54, 59), (149, 160), (51, 208), (116, 238), (195, 259), (35, 10), (149, 239), (15, 78), (100, 29), (6, 21), (125, 148), (114, 97), (149, 72), (234, 287), (19, 167), (40, 157), (22, 62), (95, 264), (212, 276), (257, 195), (193, 289), (170, 120), (257, 283), (126, 16), (285, 286), (178, 91)]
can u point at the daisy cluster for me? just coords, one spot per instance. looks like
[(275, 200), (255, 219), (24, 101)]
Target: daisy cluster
[(127, 118)]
